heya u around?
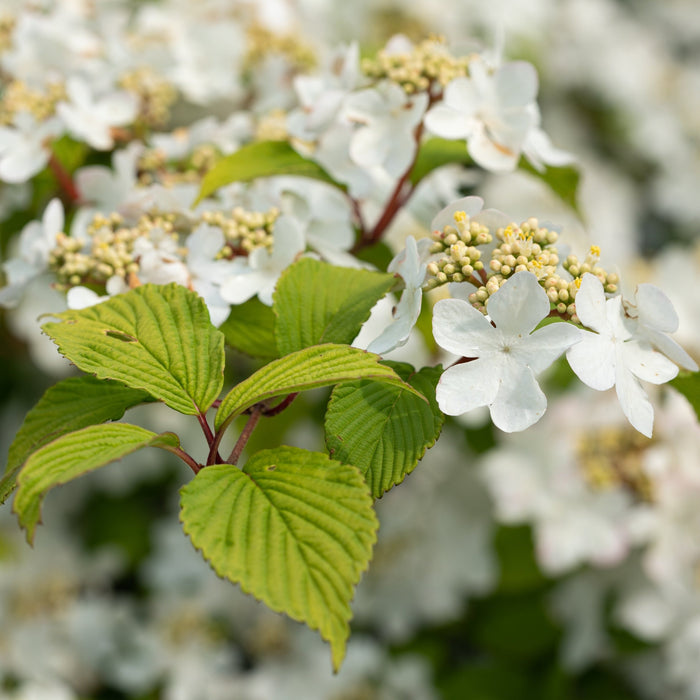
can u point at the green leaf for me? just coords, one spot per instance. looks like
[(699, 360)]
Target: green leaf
[(261, 159), (319, 303), (310, 368), (155, 338), (294, 528), (436, 152), (73, 455), (382, 429), (71, 404), (250, 328), (689, 385), (563, 181)]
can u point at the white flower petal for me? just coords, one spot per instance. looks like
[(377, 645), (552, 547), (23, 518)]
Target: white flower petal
[(467, 386), (516, 84), (448, 123), (459, 328), (634, 401), (593, 360), (655, 309), (590, 304), (519, 402), (519, 305), (646, 364), (539, 350)]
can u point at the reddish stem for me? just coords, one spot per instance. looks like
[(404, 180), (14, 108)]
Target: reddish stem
[(245, 434), (64, 179)]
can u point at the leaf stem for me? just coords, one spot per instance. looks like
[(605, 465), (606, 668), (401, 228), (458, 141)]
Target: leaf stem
[(184, 456), (281, 405), (246, 433)]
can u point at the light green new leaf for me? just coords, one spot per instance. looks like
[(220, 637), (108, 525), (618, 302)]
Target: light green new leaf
[(71, 404), (155, 338), (436, 152), (384, 430), (294, 528), (73, 455), (250, 328), (261, 159), (310, 368), (319, 303), (689, 385)]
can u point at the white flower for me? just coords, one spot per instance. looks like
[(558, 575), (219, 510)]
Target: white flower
[(410, 264), (92, 119), (492, 110), (207, 273), (508, 356), (263, 268), (25, 147), (388, 118), (36, 242), (655, 318), (612, 356), (321, 96)]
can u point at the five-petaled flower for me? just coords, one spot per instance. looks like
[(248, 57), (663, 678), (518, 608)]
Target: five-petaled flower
[(505, 353)]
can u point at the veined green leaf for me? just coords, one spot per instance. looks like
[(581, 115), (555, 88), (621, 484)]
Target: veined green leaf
[(383, 429), (689, 385), (250, 328), (261, 159), (294, 528), (73, 455), (563, 181), (319, 303), (155, 338), (436, 152), (310, 368), (71, 404)]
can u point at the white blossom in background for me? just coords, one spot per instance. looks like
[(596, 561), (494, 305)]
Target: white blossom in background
[(206, 272), (91, 118), (25, 146), (491, 110), (614, 356), (387, 120), (506, 357), (321, 95), (35, 243)]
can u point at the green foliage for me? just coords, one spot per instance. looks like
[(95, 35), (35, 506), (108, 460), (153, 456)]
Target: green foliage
[(69, 405), (73, 455), (294, 528), (383, 429), (250, 328), (320, 365), (155, 338), (436, 152), (319, 303), (563, 181), (689, 385), (261, 159)]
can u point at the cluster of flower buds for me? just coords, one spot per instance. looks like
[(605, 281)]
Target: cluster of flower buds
[(156, 96), (244, 231), (613, 457), (111, 251), (459, 251), (20, 97), (416, 68)]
